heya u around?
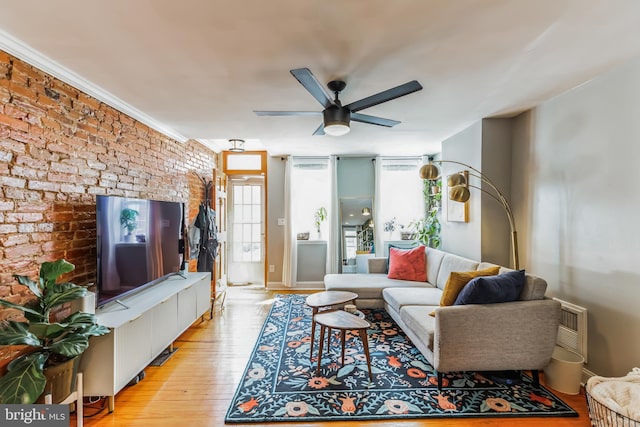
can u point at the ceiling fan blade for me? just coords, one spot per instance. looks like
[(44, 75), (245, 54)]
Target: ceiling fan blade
[(310, 83), (387, 95), (320, 130), (287, 113), (373, 120)]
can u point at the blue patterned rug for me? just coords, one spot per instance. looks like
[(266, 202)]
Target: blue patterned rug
[(280, 382)]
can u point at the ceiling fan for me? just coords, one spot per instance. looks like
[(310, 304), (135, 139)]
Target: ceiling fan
[(336, 116)]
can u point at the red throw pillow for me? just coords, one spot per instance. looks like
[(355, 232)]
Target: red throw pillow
[(408, 264)]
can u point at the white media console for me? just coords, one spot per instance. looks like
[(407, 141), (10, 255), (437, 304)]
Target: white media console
[(155, 317)]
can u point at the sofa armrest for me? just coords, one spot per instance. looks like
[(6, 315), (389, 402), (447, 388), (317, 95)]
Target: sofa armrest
[(517, 335), (377, 265)]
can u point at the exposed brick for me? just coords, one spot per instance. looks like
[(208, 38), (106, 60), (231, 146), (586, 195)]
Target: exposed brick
[(63, 168), (14, 239), (14, 123), (5, 156), (12, 182), (61, 177), (6, 205), (8, 228), (10, 145), (58, 149), (44, 185), (23, 250)]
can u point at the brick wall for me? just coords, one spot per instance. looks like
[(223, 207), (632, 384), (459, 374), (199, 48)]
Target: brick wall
[(59, 148)]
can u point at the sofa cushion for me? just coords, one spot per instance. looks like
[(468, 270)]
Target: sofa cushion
[(423, 326), (408, 264), (451, 263), (397, 298), (504, 287), (434, 260), (367, 286)]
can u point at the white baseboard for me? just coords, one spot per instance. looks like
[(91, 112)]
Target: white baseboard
[(586, 374)]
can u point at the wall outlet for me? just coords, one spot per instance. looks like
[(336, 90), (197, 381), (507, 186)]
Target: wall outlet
[(280, 221), (272, 268)]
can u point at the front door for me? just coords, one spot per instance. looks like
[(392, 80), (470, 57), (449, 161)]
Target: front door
[(246, 263)]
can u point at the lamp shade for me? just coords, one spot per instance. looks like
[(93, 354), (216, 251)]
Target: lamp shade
[(459, 193), (429, 171), (366, 211), (456, 179), (336, 120)]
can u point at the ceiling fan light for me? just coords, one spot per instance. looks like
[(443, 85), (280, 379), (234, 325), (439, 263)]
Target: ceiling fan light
[(336, 121), (337, 129)]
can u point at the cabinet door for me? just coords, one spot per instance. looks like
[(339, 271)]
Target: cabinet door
[(164, 324), (133, 348), (186, 308), (203, 296)]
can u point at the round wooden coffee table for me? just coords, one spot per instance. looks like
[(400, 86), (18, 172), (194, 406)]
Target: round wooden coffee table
[(325, 301), (343, 321)]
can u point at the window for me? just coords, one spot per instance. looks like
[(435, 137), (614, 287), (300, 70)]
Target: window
[(311, 191), (247, 223), (400, 192)]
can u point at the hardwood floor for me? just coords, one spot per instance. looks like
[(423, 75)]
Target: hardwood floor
[(195, 386)]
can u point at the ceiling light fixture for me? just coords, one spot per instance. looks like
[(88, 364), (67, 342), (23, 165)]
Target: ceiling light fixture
[(336, 120), (237, 145), (366, 211)]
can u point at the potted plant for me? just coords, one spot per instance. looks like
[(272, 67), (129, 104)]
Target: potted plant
[(129, 221), (50, 344), (390, 226), (319, 217)]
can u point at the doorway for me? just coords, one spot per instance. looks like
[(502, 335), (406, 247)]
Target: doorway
[(247, 230)]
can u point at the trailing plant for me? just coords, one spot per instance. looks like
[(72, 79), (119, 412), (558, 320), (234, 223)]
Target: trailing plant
[(50, 343), (427, 229)]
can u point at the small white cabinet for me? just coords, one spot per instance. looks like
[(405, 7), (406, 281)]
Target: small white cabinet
[(155, 317)]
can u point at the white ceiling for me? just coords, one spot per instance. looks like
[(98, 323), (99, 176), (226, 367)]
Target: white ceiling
[(198, 68)]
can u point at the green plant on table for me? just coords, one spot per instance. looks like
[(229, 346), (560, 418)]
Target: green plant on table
[(50, 343), (319, 217)]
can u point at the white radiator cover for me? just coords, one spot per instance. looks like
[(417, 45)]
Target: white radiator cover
[(572, 332)]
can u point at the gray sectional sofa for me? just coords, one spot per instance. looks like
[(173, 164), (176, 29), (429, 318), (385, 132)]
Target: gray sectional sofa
[(518, 335)]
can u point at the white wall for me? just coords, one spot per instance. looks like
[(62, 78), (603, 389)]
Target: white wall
[(463, 239), (575, 175), (486, 146)]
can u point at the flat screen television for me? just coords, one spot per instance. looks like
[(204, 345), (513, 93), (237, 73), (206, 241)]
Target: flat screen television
[(139, 243)]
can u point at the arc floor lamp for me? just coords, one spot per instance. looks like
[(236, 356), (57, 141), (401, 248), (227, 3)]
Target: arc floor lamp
[(459, 192)]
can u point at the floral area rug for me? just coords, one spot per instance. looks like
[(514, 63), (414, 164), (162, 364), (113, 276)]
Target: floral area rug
[(281, 383)]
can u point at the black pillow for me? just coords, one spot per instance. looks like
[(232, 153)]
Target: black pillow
[(504, 287)]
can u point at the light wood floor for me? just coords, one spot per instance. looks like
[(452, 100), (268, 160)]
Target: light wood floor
[(195, 386)]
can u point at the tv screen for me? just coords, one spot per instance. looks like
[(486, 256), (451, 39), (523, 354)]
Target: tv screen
[(139, 244)]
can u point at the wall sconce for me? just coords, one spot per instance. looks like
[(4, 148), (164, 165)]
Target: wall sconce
[(366, 211), (237, 145), (459, 192)]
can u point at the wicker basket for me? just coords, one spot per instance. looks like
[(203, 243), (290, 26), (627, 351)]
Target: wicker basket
[(603, 416)]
